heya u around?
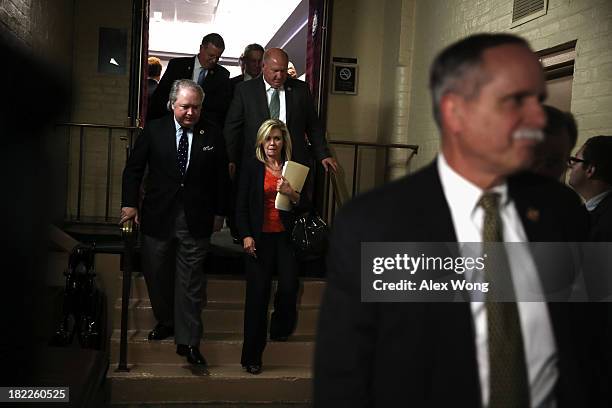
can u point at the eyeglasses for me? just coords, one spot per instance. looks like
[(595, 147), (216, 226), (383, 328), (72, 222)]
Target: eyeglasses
[(573, 160)]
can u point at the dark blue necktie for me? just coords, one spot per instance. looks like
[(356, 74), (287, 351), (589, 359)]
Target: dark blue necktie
[(181, 152), (202, 76)]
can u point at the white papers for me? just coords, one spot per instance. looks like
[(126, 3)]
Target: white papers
[(295, 173)]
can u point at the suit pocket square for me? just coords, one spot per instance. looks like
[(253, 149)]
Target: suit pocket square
[(208, 148)]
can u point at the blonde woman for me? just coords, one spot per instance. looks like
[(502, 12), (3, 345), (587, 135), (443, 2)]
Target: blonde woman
[(265, 232)]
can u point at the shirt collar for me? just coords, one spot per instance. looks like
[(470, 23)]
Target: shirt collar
[(177, 125), (592, 203), (461, 194), (197, 65), (268, 86)]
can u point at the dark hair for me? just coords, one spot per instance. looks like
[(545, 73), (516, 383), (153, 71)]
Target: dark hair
[(214, 39), (558, 120), (252, 47), (597, 151), (154, 66), (451, 67)]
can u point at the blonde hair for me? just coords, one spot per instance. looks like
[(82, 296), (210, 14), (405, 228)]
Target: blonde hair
[(262, 134)]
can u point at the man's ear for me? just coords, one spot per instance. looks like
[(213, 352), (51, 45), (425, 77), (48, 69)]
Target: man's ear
[(451, 112), (590, 171)]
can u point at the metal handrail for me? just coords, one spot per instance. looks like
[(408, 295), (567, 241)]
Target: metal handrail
[(97, 125), (82, 127), (333, 199), (373, 144)]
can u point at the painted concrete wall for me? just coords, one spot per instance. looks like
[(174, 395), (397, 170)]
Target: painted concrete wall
[(439, 22), (396, 41)]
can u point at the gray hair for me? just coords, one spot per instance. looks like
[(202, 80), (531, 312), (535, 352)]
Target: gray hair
[(457, 68), (184, 84)]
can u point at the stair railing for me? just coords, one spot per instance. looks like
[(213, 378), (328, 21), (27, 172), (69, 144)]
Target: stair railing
[(332, 196)]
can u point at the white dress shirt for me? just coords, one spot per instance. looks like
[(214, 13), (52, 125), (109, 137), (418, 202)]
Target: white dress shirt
[(281, 94), (179, 133), (592, 203), (540, 351), (197, 68)]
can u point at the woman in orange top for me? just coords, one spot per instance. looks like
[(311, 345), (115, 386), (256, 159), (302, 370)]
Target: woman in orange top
[(265, 233)]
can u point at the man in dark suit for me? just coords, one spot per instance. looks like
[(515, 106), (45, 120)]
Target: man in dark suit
[(278, 97), (591, 177), (154, 69), (204, 69), (250, 62), (487, 92), (185, 201), (560, 135)]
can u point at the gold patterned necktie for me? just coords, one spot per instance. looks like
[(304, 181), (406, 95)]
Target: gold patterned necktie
[(508, 379)]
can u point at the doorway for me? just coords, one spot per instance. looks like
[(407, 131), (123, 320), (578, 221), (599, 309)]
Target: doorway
[(174, 28)]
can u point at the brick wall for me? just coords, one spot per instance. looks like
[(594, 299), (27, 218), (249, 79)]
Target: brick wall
[(99, 99), (440, 22)]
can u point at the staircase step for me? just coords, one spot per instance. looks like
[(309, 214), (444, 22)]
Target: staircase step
[(218, 348), (168, 383), (217, 317), (232, 289)]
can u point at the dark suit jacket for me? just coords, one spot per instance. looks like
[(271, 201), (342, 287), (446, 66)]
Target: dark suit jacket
[(235, 81), (250, 202), (424, 354), (151, 87), (217, 90), (601, 221), (249, 109), (203, 190)]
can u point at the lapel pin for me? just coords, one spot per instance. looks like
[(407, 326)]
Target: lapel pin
[(533, 214), (201, 132), (289, 88)]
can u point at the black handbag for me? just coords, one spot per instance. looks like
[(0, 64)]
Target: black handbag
[(309, 237)]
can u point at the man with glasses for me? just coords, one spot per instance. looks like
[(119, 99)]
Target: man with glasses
[(203, 69), (591, 176)]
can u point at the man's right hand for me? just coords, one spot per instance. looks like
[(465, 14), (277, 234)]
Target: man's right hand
[(127, 213), (232, 170), (248, 243)]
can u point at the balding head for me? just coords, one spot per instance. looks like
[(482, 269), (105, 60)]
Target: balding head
[(275, 67)]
